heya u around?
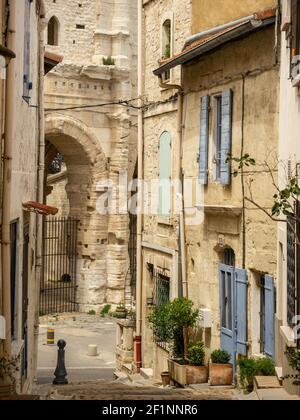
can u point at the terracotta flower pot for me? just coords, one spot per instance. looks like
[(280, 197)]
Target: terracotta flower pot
[(220, 375), (166, 378), (197, 374)]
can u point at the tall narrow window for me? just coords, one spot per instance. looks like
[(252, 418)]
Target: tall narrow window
[(53, 31), (165, 169), (166, 52), (223, 136), (27, 85), (13, 277), (166, 45), (218, 136)]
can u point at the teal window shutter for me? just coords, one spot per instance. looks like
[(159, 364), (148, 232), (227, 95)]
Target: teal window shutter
[(226, 137), (165, 172), (241, 288), (204, 138), (269, 315)]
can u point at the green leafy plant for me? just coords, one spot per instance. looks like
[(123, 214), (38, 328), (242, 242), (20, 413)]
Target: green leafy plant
[(170, 320), (293, 356), (92, 312), (108, 61), (220, 357), (105, 311), (196, 354), (249, 368)]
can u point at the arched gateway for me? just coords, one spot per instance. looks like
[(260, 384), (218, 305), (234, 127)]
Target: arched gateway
[(86, 168)]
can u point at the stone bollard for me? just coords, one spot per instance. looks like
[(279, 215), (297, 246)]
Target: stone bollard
[(60, 371), (92, 350)]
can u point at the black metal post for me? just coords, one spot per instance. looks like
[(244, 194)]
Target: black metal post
[(60, 371)]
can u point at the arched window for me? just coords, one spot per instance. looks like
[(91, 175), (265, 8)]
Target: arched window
[(229, 257), (53, 31), (166, 39), (165, 173)]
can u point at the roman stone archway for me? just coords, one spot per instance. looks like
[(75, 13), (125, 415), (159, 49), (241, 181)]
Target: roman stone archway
[(86, 166)]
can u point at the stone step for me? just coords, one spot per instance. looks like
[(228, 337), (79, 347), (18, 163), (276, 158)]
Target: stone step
[(146, 373), (266, 382), (272, 394)]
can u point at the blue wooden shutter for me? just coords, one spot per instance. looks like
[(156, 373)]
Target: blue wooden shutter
[(165, 168), (269, 324), (241, 287), (226, 137), (204, 136)]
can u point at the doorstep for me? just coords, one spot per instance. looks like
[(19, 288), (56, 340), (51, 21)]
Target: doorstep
[(266, 382), (279, 394), (208, 386)]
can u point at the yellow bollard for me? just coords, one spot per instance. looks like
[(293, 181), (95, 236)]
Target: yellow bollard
[(50, 337)]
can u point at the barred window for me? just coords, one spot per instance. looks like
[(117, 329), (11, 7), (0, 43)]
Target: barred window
[(291, 272), (161, 298)]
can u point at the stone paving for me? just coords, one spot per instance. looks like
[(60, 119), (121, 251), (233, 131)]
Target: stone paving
[(78, 330), (117, 390)]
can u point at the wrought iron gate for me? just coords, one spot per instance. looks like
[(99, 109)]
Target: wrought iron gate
[(59, 280)]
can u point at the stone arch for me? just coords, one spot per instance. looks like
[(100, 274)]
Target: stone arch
[(86, 167)]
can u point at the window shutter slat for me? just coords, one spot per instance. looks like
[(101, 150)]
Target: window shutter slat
[(204, 137), (269, 324), (225, 169), (241, 287)]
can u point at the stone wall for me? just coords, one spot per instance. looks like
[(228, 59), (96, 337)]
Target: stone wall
[(83, 79)]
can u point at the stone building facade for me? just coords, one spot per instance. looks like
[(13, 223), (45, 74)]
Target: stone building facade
[(97, 40), (21, 124), (288, 306), (229, 233)]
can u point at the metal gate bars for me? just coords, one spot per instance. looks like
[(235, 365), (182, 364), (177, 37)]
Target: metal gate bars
[(58, 281)]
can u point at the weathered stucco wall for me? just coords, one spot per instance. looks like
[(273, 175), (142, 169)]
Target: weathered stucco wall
[(210, 76), (160, 117), (205, 16), (23, 184)]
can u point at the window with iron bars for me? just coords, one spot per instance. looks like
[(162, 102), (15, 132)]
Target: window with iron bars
[(161, 296)]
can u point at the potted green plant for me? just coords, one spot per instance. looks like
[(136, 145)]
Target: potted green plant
[(121, 311), (197, 371), (169, 324), (220, 368), (250, 368)]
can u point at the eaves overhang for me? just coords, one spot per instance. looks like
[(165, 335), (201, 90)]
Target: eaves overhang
[(204, 46)]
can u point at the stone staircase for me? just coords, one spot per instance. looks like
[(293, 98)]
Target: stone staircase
[(118, 390)]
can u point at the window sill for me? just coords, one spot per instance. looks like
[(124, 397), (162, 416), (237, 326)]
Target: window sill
[(288, 335), (167, 221)]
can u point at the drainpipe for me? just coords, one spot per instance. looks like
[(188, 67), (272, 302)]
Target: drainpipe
[(179, 177), (40, 180), (138, 338), (7, 175)]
